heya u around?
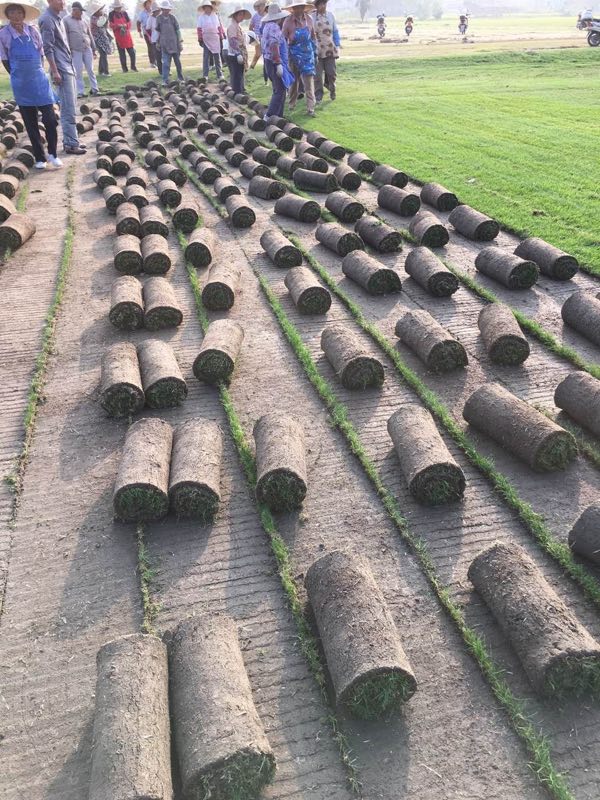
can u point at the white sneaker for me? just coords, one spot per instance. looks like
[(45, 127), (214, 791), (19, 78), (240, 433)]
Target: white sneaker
[(55, 161), (40, 165)]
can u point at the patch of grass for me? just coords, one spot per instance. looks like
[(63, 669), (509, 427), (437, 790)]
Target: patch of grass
[(195, 502), (574, 676), (140, 504), (587, 447), (147, 574), (379, 695), (238, 777)]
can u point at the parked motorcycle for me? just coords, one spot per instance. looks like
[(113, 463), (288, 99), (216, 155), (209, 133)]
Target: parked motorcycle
[(586, 21), (381, 25)]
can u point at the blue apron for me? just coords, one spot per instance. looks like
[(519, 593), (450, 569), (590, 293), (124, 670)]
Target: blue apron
[(302, 51), (288, 77), (28, 80)]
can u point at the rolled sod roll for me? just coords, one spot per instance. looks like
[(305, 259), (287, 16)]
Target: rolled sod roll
[(121, 392), (222, 748), (250, 168), (335, 237), (24, 156), (168, 193), (503, 339), (154, 159), (352, 363), (314, 163), (433, 477), (137, 176), (121, 164), (9, 185), (332, 150), (161, 309), (279, 249), (581, 311), (398, 200), (428, 230), (293, 130), (584, 536), (136, 194), (434, 194), (249, 143), (315, 138), (196, 158), (223, 144), (558, 654), (307, 293), (520, 428), (361, 162), (221, 286), (235, 157), (378, 234), (171, 173), (473, 224), (219, 351), (578, 395), (315, 181), (155, 254), (344, 207), (266, 188), (162, 380), (198, 251), (241, 215), (195, 479), (185, 219), (152, 221), (104, 163), (290, 205), (288, 165), (207, 172), (264, 155), (369, 670), (437, 349), (427, 270), (281, 478), (142, 485), (347, 177), (113, 197), (15, 231), (256, 123), (16, 168), (369, 273), (126, 304), (131, 752), (510, 270), (211, 135), (552, 262), (128, 220), (7, 207), (383, 174), (102, 179)]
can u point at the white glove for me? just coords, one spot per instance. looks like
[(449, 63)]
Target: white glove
[(279, 70), (240, 59)]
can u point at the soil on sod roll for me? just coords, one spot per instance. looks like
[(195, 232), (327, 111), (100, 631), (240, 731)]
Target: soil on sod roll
[(207, 172), (221, 746), (219, 351), (307, 293), (264, 155), (401, 202), (266, 188), (113, 197), (344, 207), (131, 752), (336, 238), (433, 477), (235, 157), (502, 337), (578, 395), (15, 231), (383, 174), (370, 672), (559, 655), (432, 343), (520, 428), (584, 536), (168, 193), (171, 173), (347, 177), (361, 163), (126, 304), (155, 254), (7, 207), (428, 230), (580, 311), (434, 194), (332, 150), (241, 215), (552, 262), (127, 255), (371, 274), (281, 477), (151, 220), (315, 138), (198, 251), (218, 293), (315, 181), (195, 478), (17, 169), (290, 205), (161, 309), (427, 270), (224, 187), (162, 380), (250, 168), (185, 219), (121, 392), (279, 249), (287, 165), (128, 220), (313, 162), (473, 224), (136, 194), (138, 176), (508, 269), (9, 185), (103, 178), (353, 365), (142, 484), (378, 234)]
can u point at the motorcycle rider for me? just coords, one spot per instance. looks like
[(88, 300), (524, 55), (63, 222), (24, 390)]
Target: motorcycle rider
[(381, 25)]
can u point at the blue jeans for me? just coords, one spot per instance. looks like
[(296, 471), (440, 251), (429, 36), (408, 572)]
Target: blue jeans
[(277, 103), (166, 65), (67, 92)]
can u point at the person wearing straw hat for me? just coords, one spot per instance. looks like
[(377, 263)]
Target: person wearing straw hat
[(275, 53), (237, 54), (210, 37), (120, 24), (83, 48), (102, 38), (328, 42), (170, 41), (255, 27), (21, 52), (140, 23), (299, 32), (152, 34)]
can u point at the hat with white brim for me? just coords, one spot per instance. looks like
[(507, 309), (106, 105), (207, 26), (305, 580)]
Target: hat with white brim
[(238, 9), (94, 8), (303, 6), (165, 5), (274, 13), (31, 12), (260, 4)]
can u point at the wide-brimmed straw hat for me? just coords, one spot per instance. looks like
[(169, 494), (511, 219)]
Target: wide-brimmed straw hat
[(31, 12), (303, 6), (166, 5), (274, 13), (237, 9), (117, 4), (259, 3), (94, 8), (208, 4)]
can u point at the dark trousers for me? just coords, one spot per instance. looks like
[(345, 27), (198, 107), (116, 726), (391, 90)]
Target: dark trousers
[(123, 58), (50, 123), (151, 51), (236, 75), (102, 62), (327, 67), (277, 103), (158, 58)]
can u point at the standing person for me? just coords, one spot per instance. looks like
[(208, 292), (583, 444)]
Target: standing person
[(256, 23), (60, 61), (299, 32), (102, 38), (237, 53), (141, 20), (21, 52), (169, 41), (83, 48), (328, 42), (152, 35), (275, 54), (210, 37), (119, 21)]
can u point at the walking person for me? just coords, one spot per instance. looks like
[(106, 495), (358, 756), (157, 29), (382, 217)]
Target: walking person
[(210, 37), (169, 40), (255, 27), (102, 38), (275, 54), (237, 52), (328, 42), (141, 20), (152, 34), (62, 71), (21, 52), (119, 22), (83, 48), (299, 32)]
